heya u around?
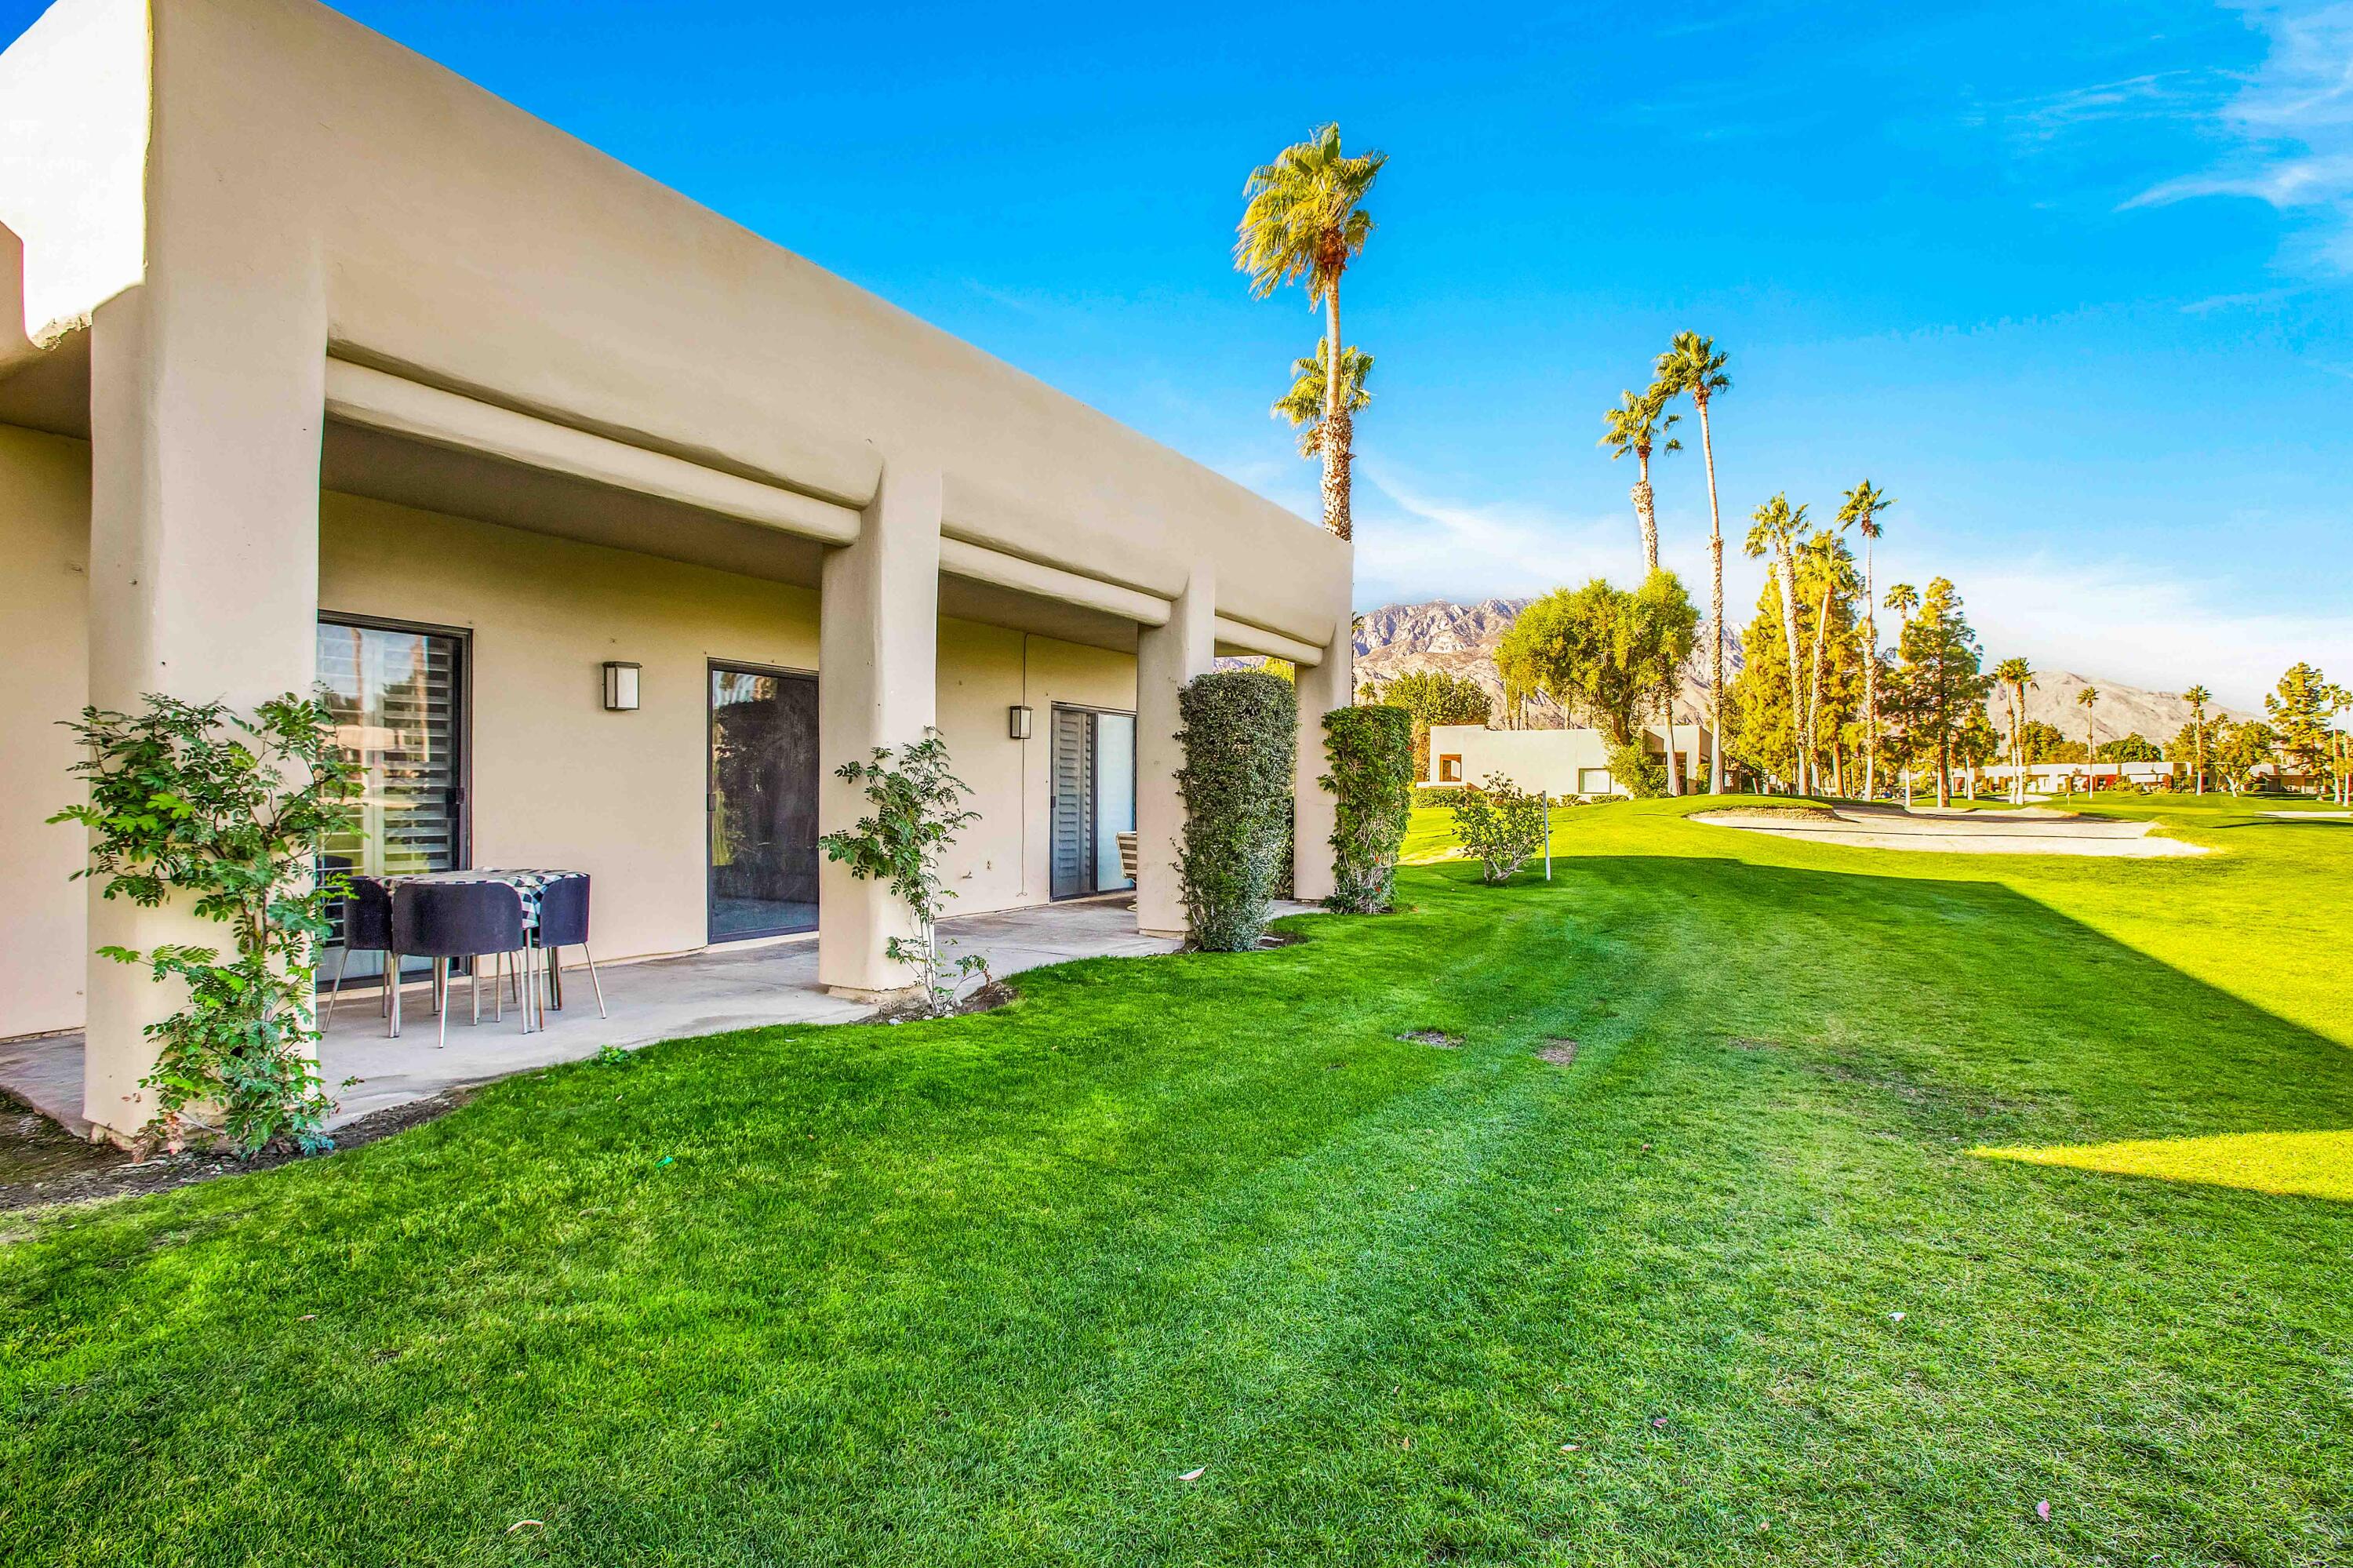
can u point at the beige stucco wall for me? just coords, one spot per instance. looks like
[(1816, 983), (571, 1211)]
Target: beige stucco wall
[(300, 163), (557, 780), (44, 676)]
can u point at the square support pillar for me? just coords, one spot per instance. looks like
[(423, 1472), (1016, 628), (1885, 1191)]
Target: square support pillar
[(1166, 657), (206, 406), (1322, 687), (878, 686)]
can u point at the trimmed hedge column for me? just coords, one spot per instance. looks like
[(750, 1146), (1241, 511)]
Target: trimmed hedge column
[(1371, 781), (1240, 727)]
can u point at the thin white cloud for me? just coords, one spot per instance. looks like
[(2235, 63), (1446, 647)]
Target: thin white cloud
[(1420, 545), (2288, 130), (2113, 621), (2116, 622)]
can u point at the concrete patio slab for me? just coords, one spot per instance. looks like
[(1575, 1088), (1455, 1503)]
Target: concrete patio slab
[(659, 999)]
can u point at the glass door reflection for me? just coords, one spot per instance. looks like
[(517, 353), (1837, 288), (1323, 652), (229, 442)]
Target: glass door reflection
[(762, 803)]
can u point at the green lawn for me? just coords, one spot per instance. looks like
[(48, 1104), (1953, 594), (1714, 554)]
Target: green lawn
[(982, 1292)]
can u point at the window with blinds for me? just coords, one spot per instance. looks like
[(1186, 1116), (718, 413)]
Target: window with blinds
[(397, 698)]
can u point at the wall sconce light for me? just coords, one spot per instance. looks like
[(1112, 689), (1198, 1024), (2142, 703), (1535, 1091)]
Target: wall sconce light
[(1017, 722), (620, 687)]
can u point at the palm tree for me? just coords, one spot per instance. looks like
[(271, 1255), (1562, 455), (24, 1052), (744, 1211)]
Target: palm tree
[(1863, 505), (2197, 697), (1635, 426), (2015, 677), (1303, 222), (1305, 403), (1691, 364), (2088, 699), (1773, 529)]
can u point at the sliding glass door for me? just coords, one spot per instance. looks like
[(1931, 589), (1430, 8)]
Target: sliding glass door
[(762, 803), (1093, 787), (397, 694)]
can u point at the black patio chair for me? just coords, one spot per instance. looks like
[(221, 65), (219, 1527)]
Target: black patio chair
[(365, 916), (446, 920), (563, 923)]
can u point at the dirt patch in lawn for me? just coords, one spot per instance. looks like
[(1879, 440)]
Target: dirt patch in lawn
[(1559, 1052), (41, 1163), (988, 999), (1438, 1037)]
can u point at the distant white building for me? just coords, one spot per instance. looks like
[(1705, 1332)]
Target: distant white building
[(1555, 761)]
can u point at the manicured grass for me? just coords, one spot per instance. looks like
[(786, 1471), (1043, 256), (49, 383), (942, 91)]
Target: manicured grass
[(982, 1292)]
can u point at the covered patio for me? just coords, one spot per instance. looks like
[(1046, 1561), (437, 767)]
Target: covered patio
[(707, 992)]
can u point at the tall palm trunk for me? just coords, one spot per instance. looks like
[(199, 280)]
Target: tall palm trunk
[(1646, 517), (1339, 424), (1814, 692), (1870, 675), (1715, 646), (1785, 561), (2017, 747)]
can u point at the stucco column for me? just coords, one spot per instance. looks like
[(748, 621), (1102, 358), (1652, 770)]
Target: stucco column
[(206, 402), (1166, 657), (877, 685), (1328, 685)]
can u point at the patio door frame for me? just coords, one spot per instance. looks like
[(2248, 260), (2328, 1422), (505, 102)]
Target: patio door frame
[(710, 667), (461, 742), (1094, 888)]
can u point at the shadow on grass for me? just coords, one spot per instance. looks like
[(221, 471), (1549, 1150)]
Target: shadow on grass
[(981, 1290)]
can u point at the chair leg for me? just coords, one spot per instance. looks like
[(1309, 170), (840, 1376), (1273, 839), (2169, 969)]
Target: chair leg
[(343, 962), (391, 994), (477, 973), (556, 976), (497, 991), (597, 984)]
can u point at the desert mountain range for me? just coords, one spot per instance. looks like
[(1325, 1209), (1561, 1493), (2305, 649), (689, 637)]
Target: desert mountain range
[(1461, 640)]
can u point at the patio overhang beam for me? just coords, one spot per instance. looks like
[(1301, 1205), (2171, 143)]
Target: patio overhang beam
[(377, 400), (999, 568), (1242, 636)]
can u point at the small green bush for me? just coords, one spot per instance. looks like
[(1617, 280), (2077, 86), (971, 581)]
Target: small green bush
[(1435, 795), (1638, 775), (1240, 728), (193, 802), (1371, 750), (1501, 824)]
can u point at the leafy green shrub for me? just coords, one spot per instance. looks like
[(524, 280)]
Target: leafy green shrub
[(918, 811), (1501, 824), (1371, 750), (1240, 727), (1638, 775), (191, 798), (1435, 795)]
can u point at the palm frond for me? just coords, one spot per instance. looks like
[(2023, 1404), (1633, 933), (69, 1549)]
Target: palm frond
[(1302, 215), (1303, 404)]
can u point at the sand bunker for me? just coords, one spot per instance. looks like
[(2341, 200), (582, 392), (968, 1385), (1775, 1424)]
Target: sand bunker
[(2027, 830)]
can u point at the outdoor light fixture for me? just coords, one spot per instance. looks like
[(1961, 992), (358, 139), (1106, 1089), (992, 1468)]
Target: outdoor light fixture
[(1017, 722), (620, 687)]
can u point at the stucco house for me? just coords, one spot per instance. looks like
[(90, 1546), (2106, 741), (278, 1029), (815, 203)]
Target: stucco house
[(318, 362), (1561, 762)]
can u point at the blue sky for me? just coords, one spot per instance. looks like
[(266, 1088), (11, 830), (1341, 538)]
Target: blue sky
[(2074, 283)]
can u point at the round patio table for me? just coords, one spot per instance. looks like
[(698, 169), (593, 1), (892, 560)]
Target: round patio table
[(529, 883)]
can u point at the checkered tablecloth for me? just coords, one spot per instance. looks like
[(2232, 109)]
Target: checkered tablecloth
[(531, 883)]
